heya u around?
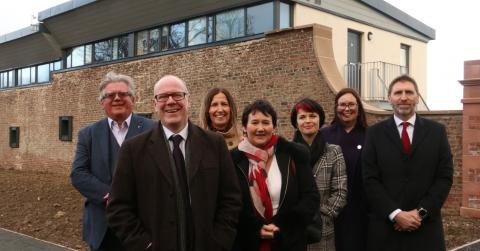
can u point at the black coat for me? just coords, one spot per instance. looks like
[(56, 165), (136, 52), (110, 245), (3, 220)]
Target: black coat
[(394, 180), (299, 200), (143, 206)]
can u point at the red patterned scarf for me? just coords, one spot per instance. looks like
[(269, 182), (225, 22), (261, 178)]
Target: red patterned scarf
[(257, 176)]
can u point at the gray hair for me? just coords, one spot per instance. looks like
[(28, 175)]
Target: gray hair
[(115, 77)]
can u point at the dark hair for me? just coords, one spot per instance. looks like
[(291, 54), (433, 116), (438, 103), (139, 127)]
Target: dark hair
[(361, 118), (207, 101), (308, 105), (262, 106), (402, 78)]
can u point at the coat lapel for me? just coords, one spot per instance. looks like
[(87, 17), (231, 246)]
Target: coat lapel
[(193, 150), (160, 153), (419, 133), (101, 134), (392, 133), (136, 126)]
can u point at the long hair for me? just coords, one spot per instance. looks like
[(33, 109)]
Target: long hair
[(206, 122), (361, 118)]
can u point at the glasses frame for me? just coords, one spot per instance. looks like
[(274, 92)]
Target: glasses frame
[(113, 95), (166, 96), (344, 107)]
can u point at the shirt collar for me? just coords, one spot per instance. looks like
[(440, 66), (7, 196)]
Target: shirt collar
[(127, 121), (399, 121), (183, 132)]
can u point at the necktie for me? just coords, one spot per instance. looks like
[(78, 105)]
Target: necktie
[(180, 165), (405, 138), (183, 182)]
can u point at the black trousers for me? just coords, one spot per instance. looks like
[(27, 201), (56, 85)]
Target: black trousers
[(110, 243)]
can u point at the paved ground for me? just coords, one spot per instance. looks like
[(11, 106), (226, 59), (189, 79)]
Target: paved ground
[(472, 246), (12, 241)]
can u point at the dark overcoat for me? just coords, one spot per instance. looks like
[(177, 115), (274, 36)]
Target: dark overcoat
[(394, 180), (299, 200), (143, 207), (92, 172)]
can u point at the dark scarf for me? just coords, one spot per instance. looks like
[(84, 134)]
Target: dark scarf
[(316, 149)]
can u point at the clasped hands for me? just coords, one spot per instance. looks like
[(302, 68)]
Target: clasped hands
[(407, 221), (268, 231)]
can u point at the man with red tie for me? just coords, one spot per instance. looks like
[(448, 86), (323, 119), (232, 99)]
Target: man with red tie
[(407, 172)]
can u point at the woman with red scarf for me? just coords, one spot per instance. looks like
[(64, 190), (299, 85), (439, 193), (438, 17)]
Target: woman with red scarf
[(280, 197)]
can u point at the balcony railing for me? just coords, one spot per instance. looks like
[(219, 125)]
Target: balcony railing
[(371, 80)]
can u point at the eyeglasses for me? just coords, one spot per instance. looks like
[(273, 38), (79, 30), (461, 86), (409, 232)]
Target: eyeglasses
[(343, 106), (112, 95), (177, 96)]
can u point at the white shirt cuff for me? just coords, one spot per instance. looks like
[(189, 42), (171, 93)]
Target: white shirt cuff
[(393, 214)]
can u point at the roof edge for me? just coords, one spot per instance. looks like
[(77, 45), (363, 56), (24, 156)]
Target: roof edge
[(62, 8), (401, 17), (29, 30)]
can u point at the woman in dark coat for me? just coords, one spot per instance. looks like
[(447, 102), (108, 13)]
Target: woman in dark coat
[(348, 131), (279, 193)]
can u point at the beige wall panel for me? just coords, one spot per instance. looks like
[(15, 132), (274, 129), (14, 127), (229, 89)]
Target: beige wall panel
[(385, 46)]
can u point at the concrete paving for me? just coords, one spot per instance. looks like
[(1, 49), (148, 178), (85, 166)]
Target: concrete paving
[(12, 241)]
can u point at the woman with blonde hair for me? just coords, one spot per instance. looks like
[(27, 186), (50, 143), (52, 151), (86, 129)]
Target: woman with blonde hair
[(219, 114)]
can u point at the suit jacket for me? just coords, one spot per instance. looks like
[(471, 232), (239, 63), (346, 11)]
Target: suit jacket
[(92, 172), (299, 200), (143, 207), (394, 179)]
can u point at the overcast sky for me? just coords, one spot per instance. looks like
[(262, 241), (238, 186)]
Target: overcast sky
[(457, 39)]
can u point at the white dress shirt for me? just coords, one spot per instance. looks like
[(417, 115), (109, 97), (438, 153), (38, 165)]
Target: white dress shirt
[(119, 131)]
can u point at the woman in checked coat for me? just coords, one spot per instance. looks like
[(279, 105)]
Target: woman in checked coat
[(328, 167)]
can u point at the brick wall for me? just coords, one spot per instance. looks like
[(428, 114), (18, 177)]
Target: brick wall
[(281, 67)]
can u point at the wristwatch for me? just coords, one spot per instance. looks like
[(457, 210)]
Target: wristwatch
[(422, 212)]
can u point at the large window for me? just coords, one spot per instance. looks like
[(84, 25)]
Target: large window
[(177, 36), (197, 31), (104, 51), (284, 15), (260, 18), (43, 73), (230, 24)]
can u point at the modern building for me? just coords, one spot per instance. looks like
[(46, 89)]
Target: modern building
[(278, 50), (373, 41)]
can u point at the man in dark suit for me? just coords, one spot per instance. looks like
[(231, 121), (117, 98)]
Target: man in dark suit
[(96, 154), (407, 171), (175, 187)]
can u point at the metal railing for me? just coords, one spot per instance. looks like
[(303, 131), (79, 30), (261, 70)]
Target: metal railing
[(371, 80)]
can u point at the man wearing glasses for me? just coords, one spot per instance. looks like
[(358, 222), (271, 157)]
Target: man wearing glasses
[(175, 187), (96, 154)]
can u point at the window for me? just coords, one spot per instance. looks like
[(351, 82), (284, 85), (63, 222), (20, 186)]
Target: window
[(11, 80), (404, 58), (14, 137), (210, 29), (177, 36), (78, 56), (65, 128), (88, 54), (230, 24), (154, 40), (104, 51), (123, 47), (164, 38), (260, 18), (284, 15), (43, 73), (197, 31), (142, 42), (24, 76)]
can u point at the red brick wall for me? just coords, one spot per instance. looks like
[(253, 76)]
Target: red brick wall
[(281, 67)]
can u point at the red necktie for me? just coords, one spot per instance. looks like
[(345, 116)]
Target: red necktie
[(405, 138)]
